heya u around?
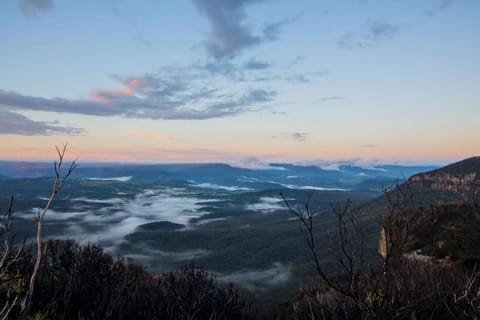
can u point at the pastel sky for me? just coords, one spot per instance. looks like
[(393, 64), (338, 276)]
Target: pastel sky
[(240, 81)]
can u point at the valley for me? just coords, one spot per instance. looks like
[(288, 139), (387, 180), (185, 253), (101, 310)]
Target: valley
[(230, 221)]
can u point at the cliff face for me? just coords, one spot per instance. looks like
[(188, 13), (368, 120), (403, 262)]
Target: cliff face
[(451, 229), (448, 182), (461, 177)]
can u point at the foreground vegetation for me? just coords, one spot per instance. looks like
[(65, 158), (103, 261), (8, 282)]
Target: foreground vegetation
[(83, 282), (427, 269)]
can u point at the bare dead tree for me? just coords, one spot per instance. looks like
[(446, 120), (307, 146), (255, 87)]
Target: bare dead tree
[(396, 221), (58, 183), (408, 288), (468, 297), (350, 245)]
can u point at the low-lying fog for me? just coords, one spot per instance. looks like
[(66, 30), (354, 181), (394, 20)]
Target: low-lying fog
[(108, 222)]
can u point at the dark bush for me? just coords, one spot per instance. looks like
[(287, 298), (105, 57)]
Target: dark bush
[(83, 282), (415, 290), (193, 294)]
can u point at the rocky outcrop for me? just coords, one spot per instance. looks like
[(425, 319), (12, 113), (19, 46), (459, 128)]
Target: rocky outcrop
[(461, 177)]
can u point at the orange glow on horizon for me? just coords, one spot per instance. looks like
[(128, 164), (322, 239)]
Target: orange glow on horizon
[(159, 155), (150, 146)]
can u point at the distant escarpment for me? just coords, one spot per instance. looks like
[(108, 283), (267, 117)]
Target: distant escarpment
[(457, 181), (462, 176)]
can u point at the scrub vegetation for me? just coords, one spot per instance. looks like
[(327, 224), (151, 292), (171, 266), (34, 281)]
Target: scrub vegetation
[(389, 258)]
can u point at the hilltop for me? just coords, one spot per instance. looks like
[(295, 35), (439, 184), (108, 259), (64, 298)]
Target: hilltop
[(455, 182), (458, 179)]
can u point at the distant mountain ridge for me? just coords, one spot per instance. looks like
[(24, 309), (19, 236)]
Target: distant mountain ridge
[(272, 176), (461, 177)]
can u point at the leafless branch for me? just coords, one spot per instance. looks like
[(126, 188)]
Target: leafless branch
[(58, 183), (305, 217)]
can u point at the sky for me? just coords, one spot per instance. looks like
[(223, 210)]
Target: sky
[(245, 82)]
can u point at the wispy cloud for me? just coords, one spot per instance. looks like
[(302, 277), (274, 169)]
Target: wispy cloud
[(254, 64), (306, 77), (195, 91), (231, 30), (299, 136), (295, 61), (117, 103), (329, 98), (439, 6), (378, 30), (220, 87), (272, 31), (31, 8), (296, 136), (14, 123)]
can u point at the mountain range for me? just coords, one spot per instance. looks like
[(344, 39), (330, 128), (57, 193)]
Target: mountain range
[(273, 176)]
